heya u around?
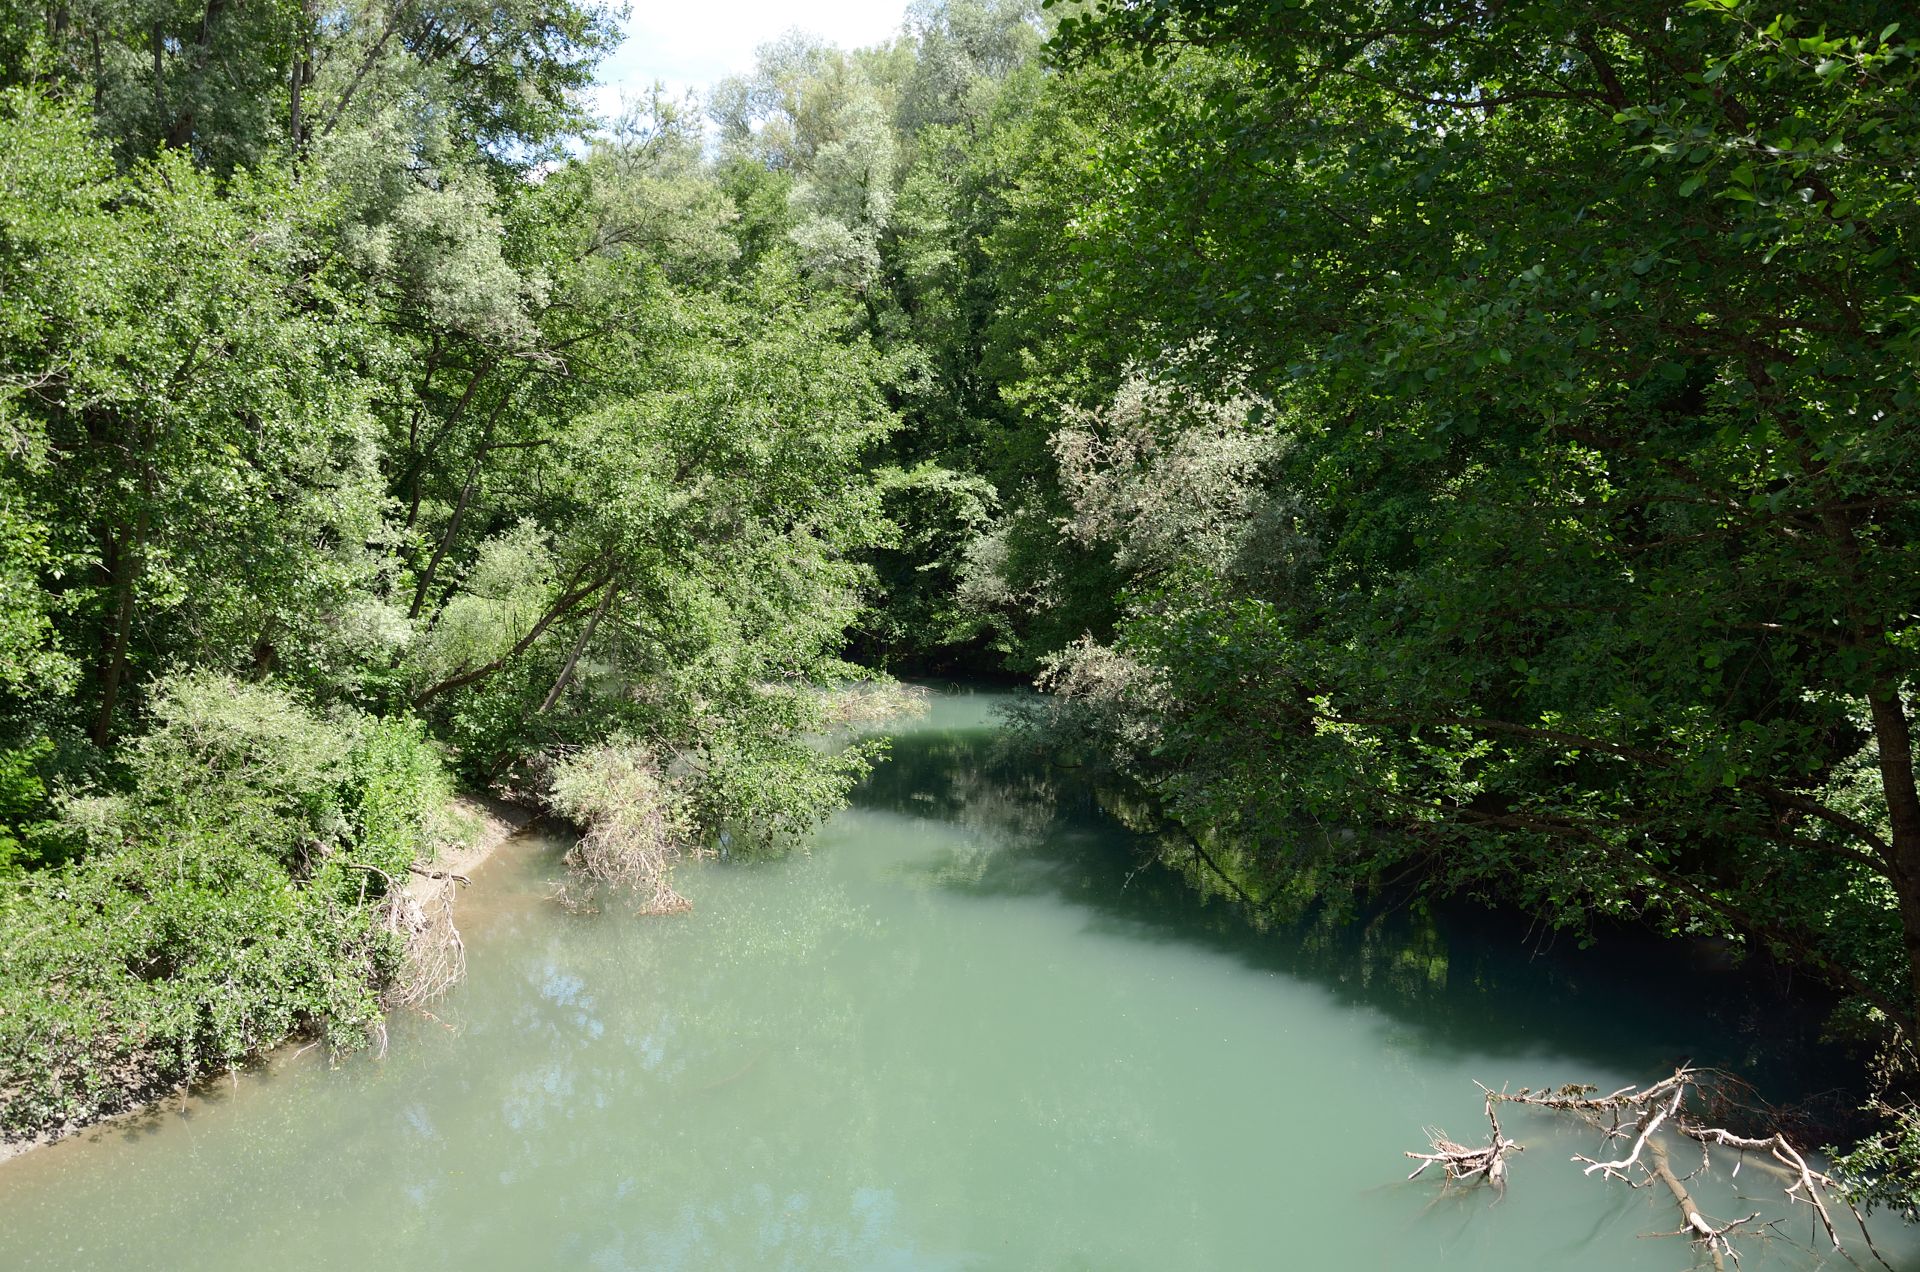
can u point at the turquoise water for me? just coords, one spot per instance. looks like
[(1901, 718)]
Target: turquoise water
[(968, 1030)]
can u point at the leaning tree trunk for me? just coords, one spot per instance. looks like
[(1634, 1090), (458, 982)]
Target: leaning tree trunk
[(128, 557)]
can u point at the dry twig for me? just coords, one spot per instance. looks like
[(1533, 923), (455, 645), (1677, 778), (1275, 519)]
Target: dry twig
[(1644, 1114)]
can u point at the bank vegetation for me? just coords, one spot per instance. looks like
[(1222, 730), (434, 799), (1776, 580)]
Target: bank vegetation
[(1467, 447)]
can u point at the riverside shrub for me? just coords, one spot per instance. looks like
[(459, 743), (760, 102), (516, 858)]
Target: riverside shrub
[(223, 903)]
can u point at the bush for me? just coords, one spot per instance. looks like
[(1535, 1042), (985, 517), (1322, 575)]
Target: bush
[(1883, 1170), (28, 839), (234, 895), (246, 757), (400, 791), (131, 972), (634, 818)]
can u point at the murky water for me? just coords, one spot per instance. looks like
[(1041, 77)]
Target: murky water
[(967, 1031)]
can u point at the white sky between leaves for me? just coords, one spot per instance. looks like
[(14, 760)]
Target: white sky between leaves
[(687, 44)]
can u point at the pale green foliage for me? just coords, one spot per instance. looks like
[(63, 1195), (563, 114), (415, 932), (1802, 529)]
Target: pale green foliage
[(869, 705), (764, 785), (245, 755), (443, 243), (1161, 479), (780, 113), (827, 117), (964, 50), (500, 598), (844, 199), (1104, 696), (649, 196), (431, 234), (633, 817)]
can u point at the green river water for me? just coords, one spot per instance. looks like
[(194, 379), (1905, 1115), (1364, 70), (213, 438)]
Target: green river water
[(967, 1030)]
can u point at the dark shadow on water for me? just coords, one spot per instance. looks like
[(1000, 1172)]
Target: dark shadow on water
[(1458, 978)]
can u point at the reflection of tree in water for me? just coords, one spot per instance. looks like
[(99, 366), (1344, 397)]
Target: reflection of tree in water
[(629, 1061), (986, 781), (1452, 976), (673, 1098)]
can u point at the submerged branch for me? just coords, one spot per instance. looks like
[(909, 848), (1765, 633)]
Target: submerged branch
[(1643, 1114)]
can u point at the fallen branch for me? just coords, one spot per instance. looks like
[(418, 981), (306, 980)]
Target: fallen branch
[(1463, 1163), (1649, 1122), (1807, 1182), (435, 958), (1693, 1224), (1644, 1114)]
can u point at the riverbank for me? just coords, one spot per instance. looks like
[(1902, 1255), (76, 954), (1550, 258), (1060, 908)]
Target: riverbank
[(1041, 1051), (482, 824), (489, 823)]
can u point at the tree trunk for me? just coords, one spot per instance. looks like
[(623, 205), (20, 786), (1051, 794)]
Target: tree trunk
[(418, 458), (158, 45), (127, 567), (579, 647), (302, 76), (424, 583), (567, 604), (1894, 740), (180, 135), (1894, 735)]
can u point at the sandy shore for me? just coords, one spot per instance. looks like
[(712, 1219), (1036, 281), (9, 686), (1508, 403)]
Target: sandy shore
[(497, 820), (488, 823)]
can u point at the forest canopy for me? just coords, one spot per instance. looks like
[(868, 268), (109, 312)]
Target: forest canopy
[(1458, 446)]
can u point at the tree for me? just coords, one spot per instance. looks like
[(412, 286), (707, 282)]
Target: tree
[(1582, 338), (239, 85)]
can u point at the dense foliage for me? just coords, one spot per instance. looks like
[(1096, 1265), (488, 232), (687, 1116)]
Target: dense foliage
[(368, 412), (1467, 445), (229, 896), (1563, 518), (1500, 418)]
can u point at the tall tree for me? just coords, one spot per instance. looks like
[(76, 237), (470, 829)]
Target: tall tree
[(1580, 338)]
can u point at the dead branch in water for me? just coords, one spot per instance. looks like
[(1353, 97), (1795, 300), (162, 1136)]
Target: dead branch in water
[(1463, 1163), (1642, 1116), (436, 957), (636, 827), (872, 704)]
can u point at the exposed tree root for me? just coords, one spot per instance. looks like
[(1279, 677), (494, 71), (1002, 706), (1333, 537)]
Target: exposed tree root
[(435, 958), (1642, 1116)]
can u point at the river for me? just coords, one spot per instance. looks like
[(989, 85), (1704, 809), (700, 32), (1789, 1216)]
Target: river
[(968, 1029)]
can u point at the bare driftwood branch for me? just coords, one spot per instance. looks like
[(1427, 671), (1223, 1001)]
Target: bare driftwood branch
[(1462, 1163), (435, 957), (1648, 1117), (425, 873), (1650, 1121)]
